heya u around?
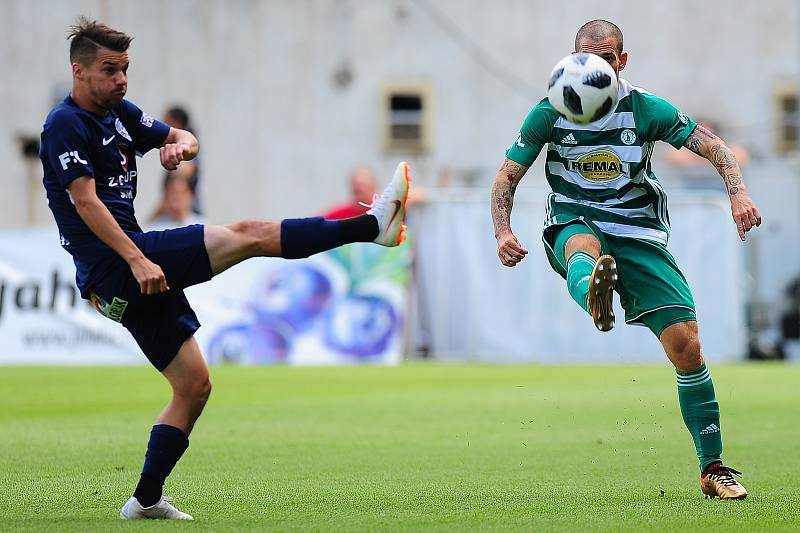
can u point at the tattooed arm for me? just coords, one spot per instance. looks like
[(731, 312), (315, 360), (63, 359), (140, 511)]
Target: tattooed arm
[(506, 180), (705, 144)]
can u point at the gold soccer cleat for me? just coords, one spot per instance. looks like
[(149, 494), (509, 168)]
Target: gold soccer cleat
[(601, 292), (718, 481)]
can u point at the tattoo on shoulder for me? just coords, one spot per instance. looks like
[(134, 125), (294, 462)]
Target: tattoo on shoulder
[(693, 143), (699, 137), (510, 169)]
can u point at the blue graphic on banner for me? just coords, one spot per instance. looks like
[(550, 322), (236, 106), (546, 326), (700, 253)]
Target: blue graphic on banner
[(346, 305)]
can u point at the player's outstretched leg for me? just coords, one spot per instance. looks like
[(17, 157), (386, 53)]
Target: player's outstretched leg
[(590, 277), (700, 410), (302, 237), (169, 437)]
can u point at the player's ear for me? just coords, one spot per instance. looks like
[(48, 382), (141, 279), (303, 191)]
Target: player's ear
[(77, 71), (623, 60)]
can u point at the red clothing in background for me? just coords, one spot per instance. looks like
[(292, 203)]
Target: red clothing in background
[(345, 211)]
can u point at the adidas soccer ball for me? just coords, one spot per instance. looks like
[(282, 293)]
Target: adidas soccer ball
[(583, 88)]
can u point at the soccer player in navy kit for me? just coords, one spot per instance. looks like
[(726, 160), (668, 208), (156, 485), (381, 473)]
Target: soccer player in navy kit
[(88, 152)]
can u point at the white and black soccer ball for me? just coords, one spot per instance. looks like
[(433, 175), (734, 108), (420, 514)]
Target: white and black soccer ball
[(583, 88)]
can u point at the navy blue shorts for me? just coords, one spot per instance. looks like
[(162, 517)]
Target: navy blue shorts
[(160, 323)]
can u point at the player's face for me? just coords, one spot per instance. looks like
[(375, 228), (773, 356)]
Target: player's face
[(107, 78), (606, 49)]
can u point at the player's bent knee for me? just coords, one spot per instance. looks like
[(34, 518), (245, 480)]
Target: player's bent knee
[(196, 389), (582, 242), (203, 390), (682, 343), (201, 387)]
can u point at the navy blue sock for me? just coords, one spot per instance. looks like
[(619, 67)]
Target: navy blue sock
[(166, 446), (302, 237)]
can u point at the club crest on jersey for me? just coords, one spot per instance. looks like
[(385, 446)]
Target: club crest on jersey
[(628, 137), (121, 129), (599, 165)]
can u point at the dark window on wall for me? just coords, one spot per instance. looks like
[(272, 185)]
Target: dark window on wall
[(407, 120), (788, 134)]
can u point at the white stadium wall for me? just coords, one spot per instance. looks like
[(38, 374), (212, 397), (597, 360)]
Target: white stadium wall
[(279, 135)]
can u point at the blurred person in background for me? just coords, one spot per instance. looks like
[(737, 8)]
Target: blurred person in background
[(88, 151), (687, 158), (177, 117), (596, 221), (176, 208), (363, 187)]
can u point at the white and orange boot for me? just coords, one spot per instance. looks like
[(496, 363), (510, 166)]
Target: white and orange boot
[(390, 208)]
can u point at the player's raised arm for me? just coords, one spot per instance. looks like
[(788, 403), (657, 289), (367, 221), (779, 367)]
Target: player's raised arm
[(509, 249), (96, 215), (705, 144), (180, 145)]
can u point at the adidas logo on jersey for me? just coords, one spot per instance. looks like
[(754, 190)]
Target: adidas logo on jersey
[(569, 139), (712, 428)]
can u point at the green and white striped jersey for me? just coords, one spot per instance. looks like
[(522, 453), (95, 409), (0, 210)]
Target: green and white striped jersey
[(601, 171)]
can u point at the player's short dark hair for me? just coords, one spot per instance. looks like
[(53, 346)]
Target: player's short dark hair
[(88, 36), (599, 30)]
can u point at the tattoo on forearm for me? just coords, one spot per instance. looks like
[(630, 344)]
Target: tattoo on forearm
[(502, 202), (722, 157), (505, 185), (704, 143)]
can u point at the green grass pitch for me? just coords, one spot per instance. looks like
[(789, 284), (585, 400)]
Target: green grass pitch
[(413, 448)]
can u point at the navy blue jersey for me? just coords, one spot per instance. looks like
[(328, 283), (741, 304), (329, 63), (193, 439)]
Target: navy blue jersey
[(77, 143)]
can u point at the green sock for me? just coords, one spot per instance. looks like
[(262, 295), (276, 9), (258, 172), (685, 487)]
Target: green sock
[(579, 270), (700, 412)]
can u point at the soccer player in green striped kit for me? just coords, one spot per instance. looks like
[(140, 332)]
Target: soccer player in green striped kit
[(607, 226)]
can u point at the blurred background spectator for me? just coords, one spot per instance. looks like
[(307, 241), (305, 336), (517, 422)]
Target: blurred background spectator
[(188, 171), (693, 166), (176, 206), (363, 186)]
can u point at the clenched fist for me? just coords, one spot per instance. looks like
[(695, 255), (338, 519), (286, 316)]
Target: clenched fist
[(173, 154), (509, 250)]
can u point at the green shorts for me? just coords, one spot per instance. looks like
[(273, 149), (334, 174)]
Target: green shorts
[(651, 287)]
